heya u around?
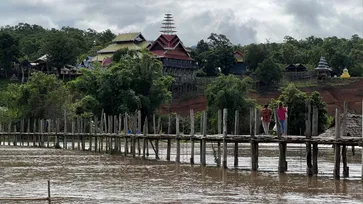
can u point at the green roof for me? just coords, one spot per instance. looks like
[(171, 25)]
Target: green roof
[(124, 37), (130, 45)]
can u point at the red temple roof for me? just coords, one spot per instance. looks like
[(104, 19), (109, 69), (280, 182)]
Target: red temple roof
[(169, 46)]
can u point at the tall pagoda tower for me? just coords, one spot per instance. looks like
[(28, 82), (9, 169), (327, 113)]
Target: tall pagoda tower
[(169, 49), (168, 25)]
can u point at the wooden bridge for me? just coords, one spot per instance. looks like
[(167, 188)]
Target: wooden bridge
[(113, 135)]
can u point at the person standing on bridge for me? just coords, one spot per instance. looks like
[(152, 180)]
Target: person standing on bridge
[(282, 114), (266, 119)]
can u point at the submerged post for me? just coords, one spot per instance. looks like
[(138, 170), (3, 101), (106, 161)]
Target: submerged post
[(337, 146), (225, 138), (203, 153)]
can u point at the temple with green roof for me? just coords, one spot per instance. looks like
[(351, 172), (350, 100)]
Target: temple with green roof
[(132, 41)]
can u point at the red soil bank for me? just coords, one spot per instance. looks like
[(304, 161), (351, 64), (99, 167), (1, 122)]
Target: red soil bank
[(333, 96)]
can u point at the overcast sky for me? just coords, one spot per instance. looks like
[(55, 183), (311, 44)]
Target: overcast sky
[(242, 21)]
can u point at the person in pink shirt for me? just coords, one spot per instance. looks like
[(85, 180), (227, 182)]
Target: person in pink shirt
[(282, 114)]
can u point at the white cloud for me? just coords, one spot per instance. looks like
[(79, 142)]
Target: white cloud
[(242, 21)]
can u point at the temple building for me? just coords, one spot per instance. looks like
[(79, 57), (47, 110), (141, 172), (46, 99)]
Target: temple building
[(132, 41), (239, 67), (323, 70), (169, 49)]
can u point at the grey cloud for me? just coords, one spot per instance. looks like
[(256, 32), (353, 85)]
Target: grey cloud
[(195, 20)]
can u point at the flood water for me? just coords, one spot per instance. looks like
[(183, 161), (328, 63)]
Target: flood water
[(84, 177)]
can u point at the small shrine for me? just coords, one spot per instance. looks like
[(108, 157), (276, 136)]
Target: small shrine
[(345, 74), (323, 70)]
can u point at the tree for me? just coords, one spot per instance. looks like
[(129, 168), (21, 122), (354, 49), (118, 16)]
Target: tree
[(295, 100), (255, 54), (61, 50), (268, 72), (9, 51), (227, 92), (135, 82), (216, 53), (43, 96)]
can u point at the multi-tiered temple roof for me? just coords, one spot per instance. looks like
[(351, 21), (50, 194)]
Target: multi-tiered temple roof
[(323, 65)]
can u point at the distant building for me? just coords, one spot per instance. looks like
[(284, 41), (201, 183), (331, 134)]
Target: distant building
[(173, 54), (239, 65), (132, 41), (296, 68)]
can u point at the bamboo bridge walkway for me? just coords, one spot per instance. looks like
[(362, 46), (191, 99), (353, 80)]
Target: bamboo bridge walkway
[(112, 135)]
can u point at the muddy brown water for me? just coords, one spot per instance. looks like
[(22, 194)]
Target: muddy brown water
[(83, 177)]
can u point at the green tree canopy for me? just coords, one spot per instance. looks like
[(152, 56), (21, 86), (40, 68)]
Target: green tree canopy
[(43, 96), (227, 92), (295, 100), (135, 82), (60, 48), (216, 53), (9, 51), (268, 72)]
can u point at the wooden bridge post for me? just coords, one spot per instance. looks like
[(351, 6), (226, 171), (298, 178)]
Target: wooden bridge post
[(78, 133), (309, 166), (177, 158), (282, 145), (254, 144), (21, 131), (344, 148), (362, 148), (9, 133), (28, 132), (236, 132), (73, 130), (156, 140), (34, 131), (337, 146), (90, 134), (203, 152), (225, 112), (64, 130), (145, 132), (168, 148), (139, 127), (126, 130), (192, 136), (315, 123), (95, 132), (219, 152), (41, 139), (15, 138), (49, 130)]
